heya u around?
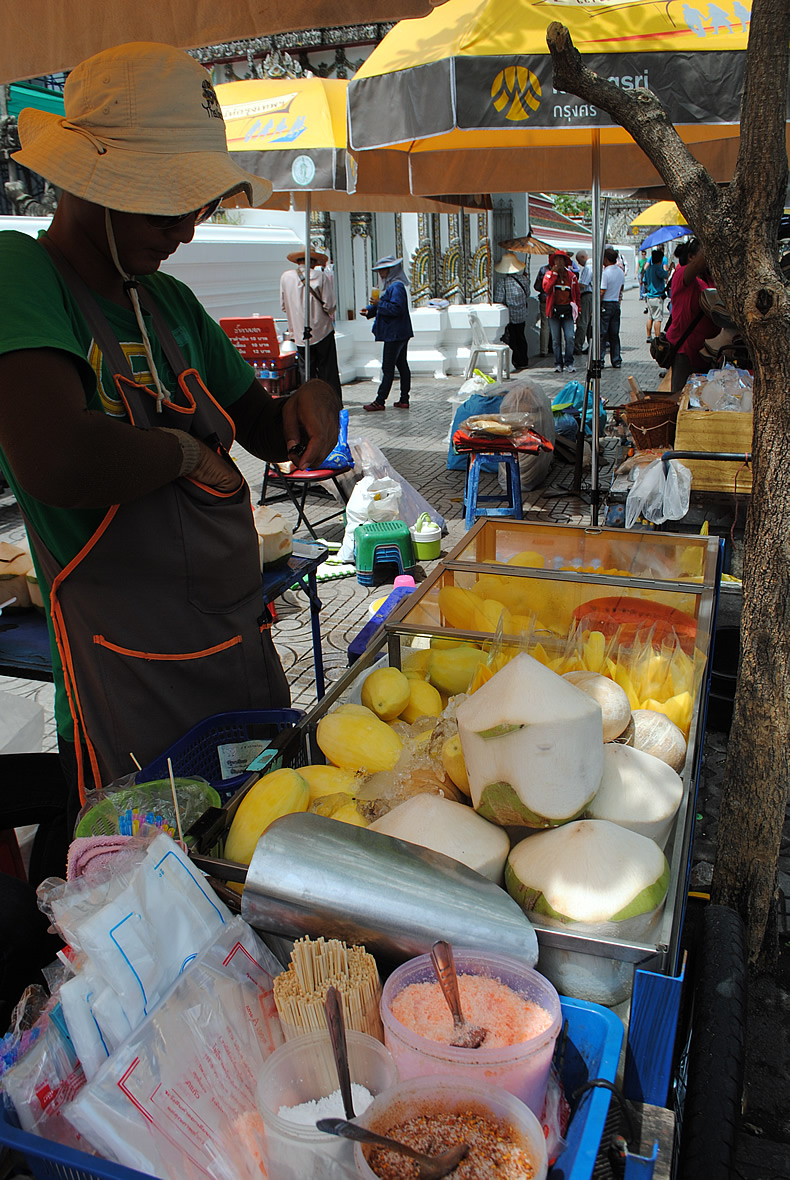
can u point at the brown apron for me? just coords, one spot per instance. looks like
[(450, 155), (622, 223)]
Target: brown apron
[(159, 619)]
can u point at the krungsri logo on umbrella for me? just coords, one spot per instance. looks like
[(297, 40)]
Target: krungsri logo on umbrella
[(517, 88)]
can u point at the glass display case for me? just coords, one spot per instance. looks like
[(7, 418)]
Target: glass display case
[(631, 605)]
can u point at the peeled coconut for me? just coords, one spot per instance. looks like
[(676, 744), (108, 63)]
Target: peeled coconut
[(275, 538), (639, 792), (533, 746), (602, 880), (615, 706), (655, 734), (589, 872), (453, 829)]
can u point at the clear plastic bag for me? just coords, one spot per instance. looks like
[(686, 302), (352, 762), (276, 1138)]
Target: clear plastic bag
[(660, 492)]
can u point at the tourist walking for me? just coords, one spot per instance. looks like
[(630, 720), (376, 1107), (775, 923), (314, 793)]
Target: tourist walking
[(562, 295), (389, 310), (543, 323), (655, 281), (612, 281), (511, 288)]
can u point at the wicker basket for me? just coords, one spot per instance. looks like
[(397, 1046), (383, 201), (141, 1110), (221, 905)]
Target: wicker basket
[(651, 422)]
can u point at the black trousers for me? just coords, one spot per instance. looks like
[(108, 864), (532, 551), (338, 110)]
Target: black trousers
[(518, 345), (323, 363), (394, 357)]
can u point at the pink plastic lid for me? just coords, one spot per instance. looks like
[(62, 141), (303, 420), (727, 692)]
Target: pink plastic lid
[(404, 580)]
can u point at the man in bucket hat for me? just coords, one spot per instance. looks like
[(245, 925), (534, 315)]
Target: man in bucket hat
[(119, 401), (389, 310), (323, 348)]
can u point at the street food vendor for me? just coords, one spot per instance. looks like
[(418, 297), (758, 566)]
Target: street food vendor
[(119, 401)]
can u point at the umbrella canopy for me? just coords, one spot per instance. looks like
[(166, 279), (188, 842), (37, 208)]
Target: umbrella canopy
[(527, 245), (662, 213), (45, 36), (667, 233), (475, 77)]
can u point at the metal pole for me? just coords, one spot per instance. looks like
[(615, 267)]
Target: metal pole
[(594, 367), (307, 268)]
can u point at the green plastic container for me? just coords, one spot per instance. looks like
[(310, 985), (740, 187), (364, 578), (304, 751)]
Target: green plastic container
[(426, 538), (194, 795)]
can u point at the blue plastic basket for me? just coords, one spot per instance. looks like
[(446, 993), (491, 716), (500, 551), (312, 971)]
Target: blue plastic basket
[(591, 1050), (196, 752)]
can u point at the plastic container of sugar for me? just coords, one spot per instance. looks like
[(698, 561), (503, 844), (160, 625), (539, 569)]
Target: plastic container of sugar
[(298, 1084), (518, 1006)]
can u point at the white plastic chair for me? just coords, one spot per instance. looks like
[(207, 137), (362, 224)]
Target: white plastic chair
[(481, 345)]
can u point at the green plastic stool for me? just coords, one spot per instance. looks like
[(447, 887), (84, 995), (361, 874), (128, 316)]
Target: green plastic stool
[(382, 541)]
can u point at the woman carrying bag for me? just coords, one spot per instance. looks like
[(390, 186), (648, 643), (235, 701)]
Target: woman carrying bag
[(562, 297)]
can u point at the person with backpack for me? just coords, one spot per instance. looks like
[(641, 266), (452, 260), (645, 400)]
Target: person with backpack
[(562, 297), (655, 280)]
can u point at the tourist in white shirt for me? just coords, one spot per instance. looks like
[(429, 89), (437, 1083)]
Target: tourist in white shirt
[(323, 349), (612, 280)]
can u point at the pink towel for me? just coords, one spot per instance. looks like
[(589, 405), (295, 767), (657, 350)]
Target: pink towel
[(98, 857)]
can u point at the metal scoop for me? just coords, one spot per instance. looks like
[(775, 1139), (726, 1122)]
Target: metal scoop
[(432, 1167), (333, 1006), (465, 1036)]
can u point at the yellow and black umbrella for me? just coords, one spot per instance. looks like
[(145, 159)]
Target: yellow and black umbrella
[(659, 214)]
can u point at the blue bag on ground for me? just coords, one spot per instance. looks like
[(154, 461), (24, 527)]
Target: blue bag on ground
[(477, 403), (340, 456), (570, 400)]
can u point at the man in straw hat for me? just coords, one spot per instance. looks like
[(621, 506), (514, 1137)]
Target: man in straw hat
[(323, 349), (119, 401), (512, 289)]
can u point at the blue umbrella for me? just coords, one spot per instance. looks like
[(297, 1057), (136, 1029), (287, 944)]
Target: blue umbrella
[(667, 233)]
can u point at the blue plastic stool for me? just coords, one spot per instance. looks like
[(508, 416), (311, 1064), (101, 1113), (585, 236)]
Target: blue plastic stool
[(473, 497)]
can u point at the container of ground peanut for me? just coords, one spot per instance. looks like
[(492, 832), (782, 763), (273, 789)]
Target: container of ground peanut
[(519, 1008), (432, 1115), (297, 1085)]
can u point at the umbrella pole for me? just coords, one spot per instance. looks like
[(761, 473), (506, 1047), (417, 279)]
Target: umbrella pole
[(308, 251), (594, 367)]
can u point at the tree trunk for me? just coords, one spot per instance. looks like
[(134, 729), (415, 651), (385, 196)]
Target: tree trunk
[(737, 225)]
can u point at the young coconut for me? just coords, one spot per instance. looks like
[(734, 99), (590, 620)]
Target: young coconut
[(600, 879), (451, 828), (615, 706), (656, 734), (639, 792), (533, 746)]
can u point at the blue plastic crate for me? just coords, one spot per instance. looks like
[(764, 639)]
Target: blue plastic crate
[(591, 1050), (196, 752)]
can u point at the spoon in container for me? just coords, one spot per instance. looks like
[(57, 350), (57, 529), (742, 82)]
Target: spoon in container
[(333, 1006), (465, 1036), (432, 1167)]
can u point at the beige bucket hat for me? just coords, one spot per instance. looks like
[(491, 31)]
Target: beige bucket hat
[(142, 133), (316, 257), (509, 265)]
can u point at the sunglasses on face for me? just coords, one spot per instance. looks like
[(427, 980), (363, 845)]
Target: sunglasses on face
[(198, 215)]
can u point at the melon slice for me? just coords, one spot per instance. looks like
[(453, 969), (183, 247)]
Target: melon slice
[(533, 746), (638, 791), (451, 828)]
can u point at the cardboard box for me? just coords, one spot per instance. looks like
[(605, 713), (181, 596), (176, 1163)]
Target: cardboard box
[(710, 430)]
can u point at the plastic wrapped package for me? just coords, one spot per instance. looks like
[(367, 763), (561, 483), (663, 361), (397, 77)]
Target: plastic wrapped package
[(43, 1082), (525, 397), (178, 1098)]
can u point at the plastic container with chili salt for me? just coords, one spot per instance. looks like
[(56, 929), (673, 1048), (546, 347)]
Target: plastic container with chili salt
[(521, 1067), (300, 1072), (503, 1117)]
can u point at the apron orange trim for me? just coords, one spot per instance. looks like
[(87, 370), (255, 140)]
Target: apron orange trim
[(100, 641), (69, 677)]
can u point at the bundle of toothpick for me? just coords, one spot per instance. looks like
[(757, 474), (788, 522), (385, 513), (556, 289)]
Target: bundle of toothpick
[(299, 992)]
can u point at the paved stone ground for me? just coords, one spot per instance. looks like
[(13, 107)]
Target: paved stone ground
[(415, 442)]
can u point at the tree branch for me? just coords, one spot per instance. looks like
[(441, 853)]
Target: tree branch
[(645, 120)]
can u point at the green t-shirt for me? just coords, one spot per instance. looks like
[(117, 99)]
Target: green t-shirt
[(38, 311)]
